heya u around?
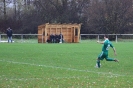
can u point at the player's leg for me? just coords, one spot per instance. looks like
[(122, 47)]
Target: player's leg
[(111, 59), (98, 63), (107, 58), (100, 57)]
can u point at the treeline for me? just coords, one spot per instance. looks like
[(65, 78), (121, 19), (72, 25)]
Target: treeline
[(96, 16)]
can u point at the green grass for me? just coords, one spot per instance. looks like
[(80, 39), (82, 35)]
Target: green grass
[(70, 65)]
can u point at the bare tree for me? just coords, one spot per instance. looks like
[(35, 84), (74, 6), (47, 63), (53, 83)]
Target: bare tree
[(96, 16), (4, 9), (110, 16)]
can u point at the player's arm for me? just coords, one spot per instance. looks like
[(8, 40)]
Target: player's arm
[(114, 50), (100, 42)]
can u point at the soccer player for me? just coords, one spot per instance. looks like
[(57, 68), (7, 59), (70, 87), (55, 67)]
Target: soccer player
[(104, 54)]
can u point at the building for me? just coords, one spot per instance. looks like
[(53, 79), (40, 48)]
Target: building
[(70, 32)]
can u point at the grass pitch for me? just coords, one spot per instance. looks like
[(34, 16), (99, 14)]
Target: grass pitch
[(69, 65)]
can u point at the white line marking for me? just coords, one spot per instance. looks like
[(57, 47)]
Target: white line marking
[(70, 69), (31, 79)]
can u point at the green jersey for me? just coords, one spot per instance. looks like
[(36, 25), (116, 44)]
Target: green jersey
[(106, 46)]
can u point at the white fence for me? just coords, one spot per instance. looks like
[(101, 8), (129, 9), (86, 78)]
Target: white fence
[(113, 37), (33, 38)]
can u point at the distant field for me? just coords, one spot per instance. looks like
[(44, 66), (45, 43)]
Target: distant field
[(69, 65)]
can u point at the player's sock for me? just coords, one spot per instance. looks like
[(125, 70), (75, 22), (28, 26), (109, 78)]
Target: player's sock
[(98, 63), (110, 59)]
